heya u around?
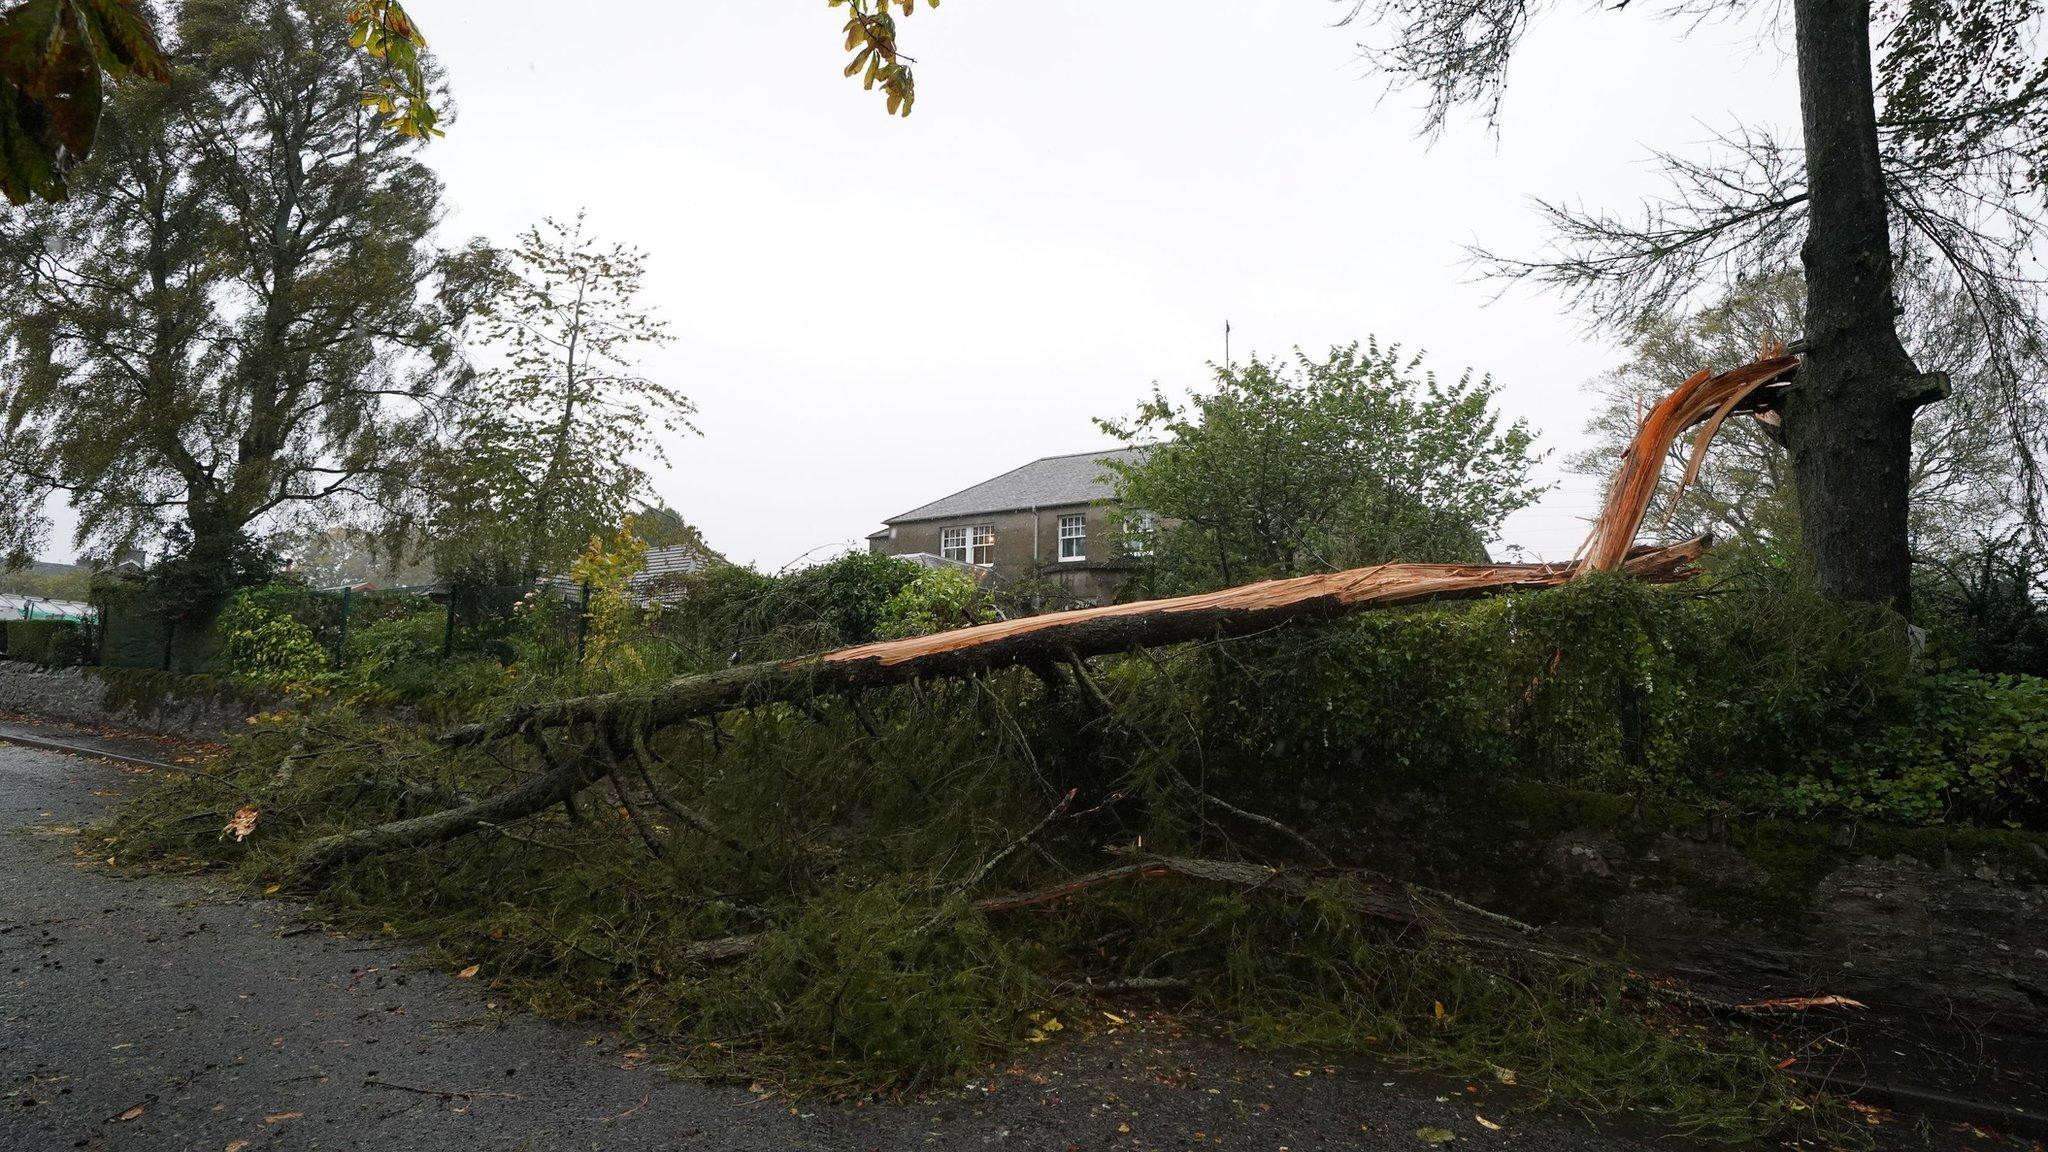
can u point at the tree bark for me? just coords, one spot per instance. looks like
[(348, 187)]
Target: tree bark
[(1849, 420), (565, 777)]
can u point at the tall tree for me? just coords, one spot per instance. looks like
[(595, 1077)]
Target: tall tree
[(225, 321), (1315, 465), (1963, 472), (1935, 148), (550, 453)]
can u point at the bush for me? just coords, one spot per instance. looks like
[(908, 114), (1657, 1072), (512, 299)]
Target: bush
[(850, 595), (937, 599), (1970, 748), (262, 646), (51, 643), (70, 647), (730, 614), (400, 656), (1985, 608), (1767, 699)]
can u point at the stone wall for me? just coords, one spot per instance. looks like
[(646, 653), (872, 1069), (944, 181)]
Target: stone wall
[(140, 700), (1938, 922)]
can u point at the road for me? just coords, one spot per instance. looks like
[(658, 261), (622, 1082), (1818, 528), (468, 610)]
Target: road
[(178, 1014)]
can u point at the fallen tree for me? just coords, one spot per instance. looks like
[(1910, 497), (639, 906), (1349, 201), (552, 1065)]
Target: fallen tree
[(617, 719), (1061, 636)]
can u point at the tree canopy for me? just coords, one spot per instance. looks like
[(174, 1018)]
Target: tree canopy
[(549, 452), (240, 311), (1928, 149), (1300, 465), (58, 58)]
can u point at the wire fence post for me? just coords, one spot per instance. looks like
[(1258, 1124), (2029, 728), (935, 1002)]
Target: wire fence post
[(341, 641), (582, 621)]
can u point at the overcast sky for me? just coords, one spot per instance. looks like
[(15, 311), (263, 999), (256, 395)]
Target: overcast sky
[(873, 312)]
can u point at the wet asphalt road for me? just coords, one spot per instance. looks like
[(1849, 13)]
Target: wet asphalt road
[(174, 1014)]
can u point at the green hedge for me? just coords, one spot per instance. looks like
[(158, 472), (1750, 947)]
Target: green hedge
[(1768, 700), (49, 642)]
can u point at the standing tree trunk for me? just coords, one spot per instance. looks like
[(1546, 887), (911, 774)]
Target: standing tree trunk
[(1849, 420)]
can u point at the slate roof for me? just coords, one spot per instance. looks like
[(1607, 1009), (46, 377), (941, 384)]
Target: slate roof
[(675, 560), (649, 583), (1053, 482)]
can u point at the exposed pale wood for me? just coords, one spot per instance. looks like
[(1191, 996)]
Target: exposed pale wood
[(1704, 399)]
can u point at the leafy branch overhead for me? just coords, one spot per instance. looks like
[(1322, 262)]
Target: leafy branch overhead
[(57, 56), (871, 37), (402, 94), (52, 57)]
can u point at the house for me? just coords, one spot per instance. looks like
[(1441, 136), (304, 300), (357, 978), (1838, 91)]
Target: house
[(1054, 519)]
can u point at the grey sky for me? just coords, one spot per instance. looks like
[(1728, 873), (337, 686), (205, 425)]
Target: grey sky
[(873, 312)]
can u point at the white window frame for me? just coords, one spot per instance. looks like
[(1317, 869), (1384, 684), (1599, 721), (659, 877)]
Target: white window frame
[(953, 544), (969, 544), (1074, 532)]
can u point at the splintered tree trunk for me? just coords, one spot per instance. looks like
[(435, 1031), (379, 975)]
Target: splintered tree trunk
[(1849, 421)]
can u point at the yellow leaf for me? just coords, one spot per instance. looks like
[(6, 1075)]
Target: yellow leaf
[(236, 1146), (271, 889), (130, 1114), (468, 972), (281, 1117), (1441, 1015), (1489, 1125)]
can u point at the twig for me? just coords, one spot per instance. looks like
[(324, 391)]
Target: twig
[(1010, 849), (1266, 822), (1127, 984), (674, 807), (443, 1093), (647, 836)]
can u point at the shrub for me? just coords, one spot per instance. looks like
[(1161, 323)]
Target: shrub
[(1986, 607), (262, 646), (850, 595), (937, 599), (400, 656), (69, 647), (52, 643), (1970, 747)]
